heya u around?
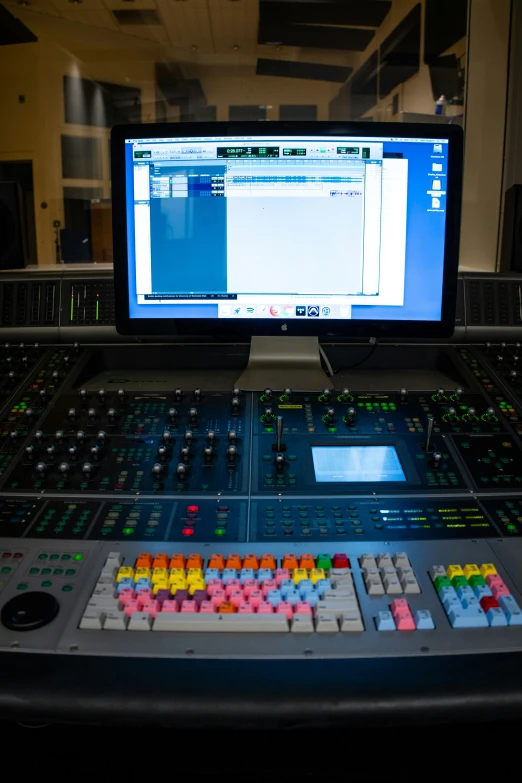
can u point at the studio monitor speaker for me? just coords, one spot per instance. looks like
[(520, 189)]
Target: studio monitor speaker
[(13, 244), (511, 256)]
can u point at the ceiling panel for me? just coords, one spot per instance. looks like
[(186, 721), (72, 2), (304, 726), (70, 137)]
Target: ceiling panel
[(234, 24), (300, 70), (363, 13), (353, 39), (187, 24)]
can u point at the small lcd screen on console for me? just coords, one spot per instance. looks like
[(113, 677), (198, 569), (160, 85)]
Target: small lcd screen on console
[(357, 464)]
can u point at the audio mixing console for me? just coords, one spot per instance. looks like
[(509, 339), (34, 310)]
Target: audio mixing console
[(378, 519)]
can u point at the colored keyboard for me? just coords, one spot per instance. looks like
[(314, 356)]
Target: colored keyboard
[(298, 594), (475, 597)]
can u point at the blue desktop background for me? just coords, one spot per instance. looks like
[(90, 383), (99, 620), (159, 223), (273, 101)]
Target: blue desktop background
[(425, 233)]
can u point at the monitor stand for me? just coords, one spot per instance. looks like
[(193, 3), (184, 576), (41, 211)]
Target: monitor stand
[(282, 362)]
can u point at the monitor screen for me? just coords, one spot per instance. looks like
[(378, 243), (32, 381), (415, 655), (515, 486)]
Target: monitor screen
[(357, 464), (308, 229)]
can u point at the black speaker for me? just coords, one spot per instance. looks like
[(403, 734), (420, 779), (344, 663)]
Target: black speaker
[(511, 255), (13, 240)]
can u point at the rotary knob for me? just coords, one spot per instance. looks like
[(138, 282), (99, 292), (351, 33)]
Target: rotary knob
[(166, 436), (101, 394), (64, 468), (73, 450), (172, 413), (208, 453), (59, 435), (121, 394), (102, 436), (185, 452), (330, 413), (157, 469), (87, 469), (41, 468), (232, 436), (193, 414), (232, 452), (83, 394), (178, 394), (111, 413), (72, 414), (95, 451), (38, 435), (80, 435), (91, 413), (188, 436), (211, 436), (30, 451), (235, 405), (181, 471), (267, 394), (29, 412), (197, 394), (162, 451), (327, 394)]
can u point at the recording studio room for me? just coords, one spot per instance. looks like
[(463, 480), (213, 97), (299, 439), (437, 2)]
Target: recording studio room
[(260, 363)]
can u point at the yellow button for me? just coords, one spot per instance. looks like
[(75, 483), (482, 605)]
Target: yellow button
[(471, 570), (160, 575), (176, 573), (487, 568), (454, 570), (415, 420), (316, 574), (198, 585), (194, 575), (125, 571), (179, 584), (300, 573), (160, 586), (143, 573)]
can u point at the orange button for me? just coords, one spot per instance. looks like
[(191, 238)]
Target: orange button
[(267, 561), (290, 562), (161, 560), (251, 561), (217, 561), (194, 561), (233, 561), (177, 561), (144, 560), (226, 608), (307, 561)]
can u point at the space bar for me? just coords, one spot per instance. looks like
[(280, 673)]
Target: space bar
[(221, 623)]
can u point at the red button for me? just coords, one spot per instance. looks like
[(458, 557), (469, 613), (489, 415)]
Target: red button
[(191, 515), (187, 531), (192, 509), (222, 508), (6, 555), (488, 602), (341, 561), (18, 555)]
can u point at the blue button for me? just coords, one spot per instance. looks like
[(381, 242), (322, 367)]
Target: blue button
[(231, 573), (274, 597), (321, 585), (469, 603), (452, 603), (385, 622), (468, 618), (423, 620), (447, 592), (482, 591), (465, 592), (125, 582), (496, 617), (511, 608), (313, 599), (143, 583), (211, 573), (246, 573), (264, 573), (293, 597)]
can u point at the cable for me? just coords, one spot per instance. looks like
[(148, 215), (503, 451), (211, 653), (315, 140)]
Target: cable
[(362, 361), (326, 361)]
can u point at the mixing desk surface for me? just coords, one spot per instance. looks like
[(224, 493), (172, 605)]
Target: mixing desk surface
[(149, 509)]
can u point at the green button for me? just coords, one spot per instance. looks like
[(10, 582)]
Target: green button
[(459, 581), (323, 561), (476, 579), (58, 571), (34, 570), (70, 572), (47, 583), (46, 570), (6, 570), (440, 582), (77, 556), (54, 557), (22, 586), (67, 588), (219, 532), (42, 556)]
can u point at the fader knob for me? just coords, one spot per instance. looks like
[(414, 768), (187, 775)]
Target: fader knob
[(188, 436), (172, 413), (83, 394), (267, 394), (232, 435), (111, 413), (91, 413), (87, 468), (157, 468), (121, 394), (279, 461), (41, 467), (181, 471), (437, 459), (72, 414), (64, 468), (232, 452)]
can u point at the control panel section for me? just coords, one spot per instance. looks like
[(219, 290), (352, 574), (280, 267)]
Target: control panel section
[(87, 303), (494, 462)]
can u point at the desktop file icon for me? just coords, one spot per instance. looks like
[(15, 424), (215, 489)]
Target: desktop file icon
[(436, 184), (435, 203), (437, 167), (437, 149)]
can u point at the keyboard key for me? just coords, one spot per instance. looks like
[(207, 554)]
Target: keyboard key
[(115, 621), (351, 621), (410, 586), (92, 620), (302, 623), (384, 559), (326, 622), (374, 586), (436, 571), (141, 621), (285, 608), (234, 623), (482, 591), (399, 605), (368, 561), (453, 571), (499, 590), (404, 621), (401, 560), (245, 608), (511, 609), (487, 568), (468, 618), (385, 622), (496, 617), (207, 607), (471, 569), (423, 620)]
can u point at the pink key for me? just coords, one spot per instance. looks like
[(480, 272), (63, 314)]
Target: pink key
[(236, 598), (231, 586), (404, 621), (268, 584), (144, 596), (213, 585), (127, 596), (250, 584), (303, 607), (152, 607), (265, 608), (399, 605), (493, 579), (255, 598), (169, 606), (281, 574), (207, 607), (284, 607), (189, 607), (499, 590), (131, 607), (245, 608), (218, 597)]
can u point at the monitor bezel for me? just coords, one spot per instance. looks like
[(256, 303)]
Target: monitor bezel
[(246, 328)]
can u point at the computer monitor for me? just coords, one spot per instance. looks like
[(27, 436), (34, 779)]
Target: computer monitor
[(338, 229)]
